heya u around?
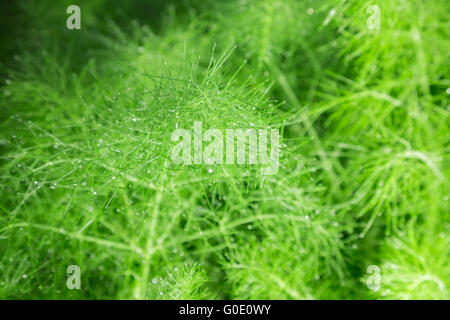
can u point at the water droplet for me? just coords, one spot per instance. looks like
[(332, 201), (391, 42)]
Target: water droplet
[(154, 281), (25, 276), (310, 11)]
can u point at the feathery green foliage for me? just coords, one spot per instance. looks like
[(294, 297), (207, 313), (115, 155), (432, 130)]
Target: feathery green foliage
[(86, 176)]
